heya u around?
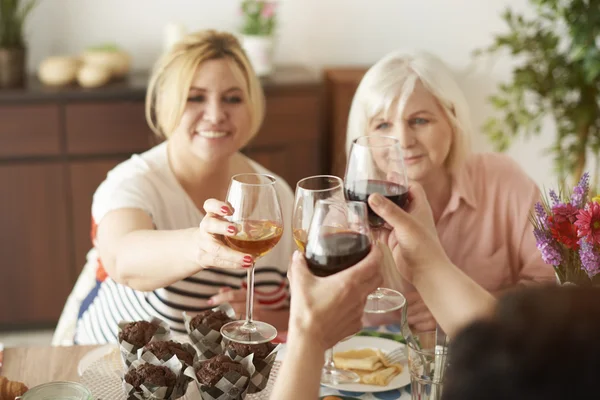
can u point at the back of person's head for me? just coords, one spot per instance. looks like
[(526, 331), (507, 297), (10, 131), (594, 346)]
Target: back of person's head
[(542, 343), (392, 80), (174, 72)]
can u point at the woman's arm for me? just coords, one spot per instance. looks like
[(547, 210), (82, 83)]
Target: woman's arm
[(136, 255), (453, 297), (323, 311)]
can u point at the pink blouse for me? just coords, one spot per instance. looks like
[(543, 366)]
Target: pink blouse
[(485, 228)]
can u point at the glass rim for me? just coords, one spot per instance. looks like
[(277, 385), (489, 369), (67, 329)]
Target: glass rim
[(333, 177), (271, 179), (345, 202), (394, 140), (428, 351)]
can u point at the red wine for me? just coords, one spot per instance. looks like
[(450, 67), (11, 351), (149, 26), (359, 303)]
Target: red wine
[(361, 190), (336, 251)]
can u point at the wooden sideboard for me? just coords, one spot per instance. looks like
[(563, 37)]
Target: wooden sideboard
[(56, 146), (341, 84)]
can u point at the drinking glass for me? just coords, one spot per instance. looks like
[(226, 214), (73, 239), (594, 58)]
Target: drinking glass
[(308, 192), (427, 363), (338, 237), (257, 214), (376, 165)]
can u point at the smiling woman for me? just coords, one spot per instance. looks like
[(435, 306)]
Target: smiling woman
[(480, 202), (156, 217)]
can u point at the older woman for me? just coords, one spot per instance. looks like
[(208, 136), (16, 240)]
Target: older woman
[(480, 202), (156, 214)]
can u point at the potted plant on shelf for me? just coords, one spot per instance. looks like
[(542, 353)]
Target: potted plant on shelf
[(13, 14), (556, 75), (257, 33)]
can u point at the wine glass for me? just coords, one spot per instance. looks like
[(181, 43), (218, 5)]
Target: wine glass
[(376, 165), (308, 191), (257, 214), (339, 237)]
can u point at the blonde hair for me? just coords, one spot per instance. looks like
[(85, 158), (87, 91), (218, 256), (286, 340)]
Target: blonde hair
[(393, 78), (173, 74)]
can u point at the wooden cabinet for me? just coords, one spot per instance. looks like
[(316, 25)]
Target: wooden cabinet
[(107, 128), (31, 130), (56, 147), (85, 176), (36, 274), (341, 84)]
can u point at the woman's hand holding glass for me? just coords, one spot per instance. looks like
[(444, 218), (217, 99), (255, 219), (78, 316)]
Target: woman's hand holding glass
[(210, 250), (329, 309), (259, 225)]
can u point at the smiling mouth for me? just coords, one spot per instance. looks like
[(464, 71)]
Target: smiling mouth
[(212, 134)]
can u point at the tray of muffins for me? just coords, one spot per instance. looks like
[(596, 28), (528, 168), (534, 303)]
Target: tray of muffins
[(151, 363)]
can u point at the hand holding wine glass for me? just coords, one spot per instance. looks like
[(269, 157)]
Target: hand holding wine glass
[(376, 165), (259, 225), (338, 238)]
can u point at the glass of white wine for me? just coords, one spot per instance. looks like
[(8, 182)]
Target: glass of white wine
[(257, 214), (308, 192)]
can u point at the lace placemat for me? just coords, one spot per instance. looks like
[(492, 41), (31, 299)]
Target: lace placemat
[(103, 379)]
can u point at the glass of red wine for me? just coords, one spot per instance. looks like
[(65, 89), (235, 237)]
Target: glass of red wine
[(376, 165), (308, 192), (339, 237), (257, 214)]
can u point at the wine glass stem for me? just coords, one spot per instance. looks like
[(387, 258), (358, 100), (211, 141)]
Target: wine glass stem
[(250, 294), (329, 358)]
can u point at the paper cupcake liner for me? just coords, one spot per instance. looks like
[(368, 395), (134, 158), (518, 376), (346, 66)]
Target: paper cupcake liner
[(151, 392), (232, 386), (129, 352), (207, 341), (186, 346), (263, 367)]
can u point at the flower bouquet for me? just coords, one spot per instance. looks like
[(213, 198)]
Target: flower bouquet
[(567, 231)]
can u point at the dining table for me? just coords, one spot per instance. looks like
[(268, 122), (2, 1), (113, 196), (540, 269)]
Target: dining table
[(40, 364), (36, 365)]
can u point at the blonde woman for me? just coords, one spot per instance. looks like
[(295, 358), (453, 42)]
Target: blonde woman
[(154, 251), (480, 202)]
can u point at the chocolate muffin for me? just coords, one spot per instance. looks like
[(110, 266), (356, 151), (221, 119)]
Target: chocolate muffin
[(213, 319), (138, 333), (150, 375), (211, 371), (260, 351), (164, 350)]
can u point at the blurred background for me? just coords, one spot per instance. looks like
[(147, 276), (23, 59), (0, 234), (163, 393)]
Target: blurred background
[(62, 129)]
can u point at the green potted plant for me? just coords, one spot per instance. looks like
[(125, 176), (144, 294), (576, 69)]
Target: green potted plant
[(257, 33), (557, 76), (13, 14)]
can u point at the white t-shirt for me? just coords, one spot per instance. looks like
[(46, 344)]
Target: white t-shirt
[(146, 182)]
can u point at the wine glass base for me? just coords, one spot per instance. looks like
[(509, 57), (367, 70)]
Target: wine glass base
[(245, 332), (384, 300), (335, 376)]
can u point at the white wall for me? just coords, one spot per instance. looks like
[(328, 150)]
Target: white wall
[(314, 32)]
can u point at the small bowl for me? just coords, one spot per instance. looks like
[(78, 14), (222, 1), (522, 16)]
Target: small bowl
[(58, 390)]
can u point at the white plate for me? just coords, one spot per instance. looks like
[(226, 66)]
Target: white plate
[(386, 346), (93, 356)]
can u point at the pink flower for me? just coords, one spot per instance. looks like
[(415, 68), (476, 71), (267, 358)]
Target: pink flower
[(268, 10), (588, 222)]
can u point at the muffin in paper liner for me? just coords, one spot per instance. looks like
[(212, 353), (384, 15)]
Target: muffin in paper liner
[(263, 367), (158, 392), (206, 340), (232, 386), (129, 352), (186, 346)]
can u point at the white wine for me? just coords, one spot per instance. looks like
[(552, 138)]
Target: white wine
[(256, 237)]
